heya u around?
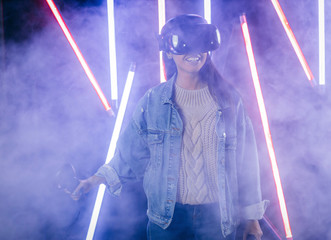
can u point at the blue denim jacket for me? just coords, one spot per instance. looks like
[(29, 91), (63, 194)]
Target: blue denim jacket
[(149, 149)]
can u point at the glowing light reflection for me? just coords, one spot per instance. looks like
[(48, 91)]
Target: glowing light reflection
[(112, 49), (207, 10), (78, 54), (111, 149), (265, 124), (293, 41), (272, 227), (321, 26), (161, 12)]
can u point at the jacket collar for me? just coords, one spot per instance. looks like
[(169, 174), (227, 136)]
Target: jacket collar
[(168, 90)]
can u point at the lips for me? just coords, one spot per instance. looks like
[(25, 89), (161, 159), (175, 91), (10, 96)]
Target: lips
[(193, 58)]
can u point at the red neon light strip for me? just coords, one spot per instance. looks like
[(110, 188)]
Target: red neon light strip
[(78, 54), (272, 227), (265, 124), (293, 40)]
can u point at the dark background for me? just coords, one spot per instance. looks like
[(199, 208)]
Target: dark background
[(51, 115)]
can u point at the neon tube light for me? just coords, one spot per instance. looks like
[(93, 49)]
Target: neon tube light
[(161, 11), (78, 54), (207, 10), (293, 40), (111, 149), (321, 26), (112, 50), (265, 124), (272, 227)]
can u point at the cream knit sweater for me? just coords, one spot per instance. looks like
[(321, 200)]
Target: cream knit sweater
[(197, 182)]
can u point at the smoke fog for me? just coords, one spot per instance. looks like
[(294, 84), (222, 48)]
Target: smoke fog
[(51, 116)]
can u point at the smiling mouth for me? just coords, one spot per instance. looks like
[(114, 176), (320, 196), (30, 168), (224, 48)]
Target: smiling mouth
[(194, 58)]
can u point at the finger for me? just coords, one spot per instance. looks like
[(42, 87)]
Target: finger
[(76, 196), (259, 236), (77, 193), (67, 191)]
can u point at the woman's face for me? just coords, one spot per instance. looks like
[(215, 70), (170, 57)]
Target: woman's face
[(189, 63)]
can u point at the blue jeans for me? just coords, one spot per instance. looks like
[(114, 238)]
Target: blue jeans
[(191, 222)]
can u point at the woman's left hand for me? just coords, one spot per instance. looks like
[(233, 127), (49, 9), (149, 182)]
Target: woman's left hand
[(253, 228)]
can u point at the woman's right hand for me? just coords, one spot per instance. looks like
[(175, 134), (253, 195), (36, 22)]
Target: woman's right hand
[(86, 185)]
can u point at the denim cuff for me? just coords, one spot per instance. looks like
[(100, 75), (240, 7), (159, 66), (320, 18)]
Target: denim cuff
[(255, 211), (113, 182)]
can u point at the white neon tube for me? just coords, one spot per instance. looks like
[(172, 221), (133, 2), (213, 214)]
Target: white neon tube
[(78, 53), (265, 125), (321, 26), (112, 50), (161, 11), (111, 150), (207, 10)]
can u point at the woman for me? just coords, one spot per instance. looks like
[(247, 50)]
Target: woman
[(191, 143)]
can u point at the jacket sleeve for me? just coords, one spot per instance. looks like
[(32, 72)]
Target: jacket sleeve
[(131, 155), (250, 198)]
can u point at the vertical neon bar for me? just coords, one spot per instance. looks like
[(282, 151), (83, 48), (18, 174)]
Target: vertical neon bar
[(321, 26), (272, 227), (3, 85), (78, 54), (161, 10), (207, 10), (112, 50), (265, 124), (111, 149), (293, 40)]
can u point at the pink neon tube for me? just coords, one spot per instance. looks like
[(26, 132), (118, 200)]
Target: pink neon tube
[(272, 227), (293, 40), (265, 124), (78, 54)]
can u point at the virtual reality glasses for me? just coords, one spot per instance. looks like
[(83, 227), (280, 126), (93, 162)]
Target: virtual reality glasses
[(190, 38)]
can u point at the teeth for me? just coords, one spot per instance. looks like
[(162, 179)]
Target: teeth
[(192, 59)]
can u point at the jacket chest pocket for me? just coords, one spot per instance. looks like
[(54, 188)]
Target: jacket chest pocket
[(155, 141)]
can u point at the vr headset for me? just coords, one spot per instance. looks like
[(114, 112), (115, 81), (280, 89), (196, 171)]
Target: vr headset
[(187, 36)]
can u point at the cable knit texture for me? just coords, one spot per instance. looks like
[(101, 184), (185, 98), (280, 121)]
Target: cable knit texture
[(197, 182)]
